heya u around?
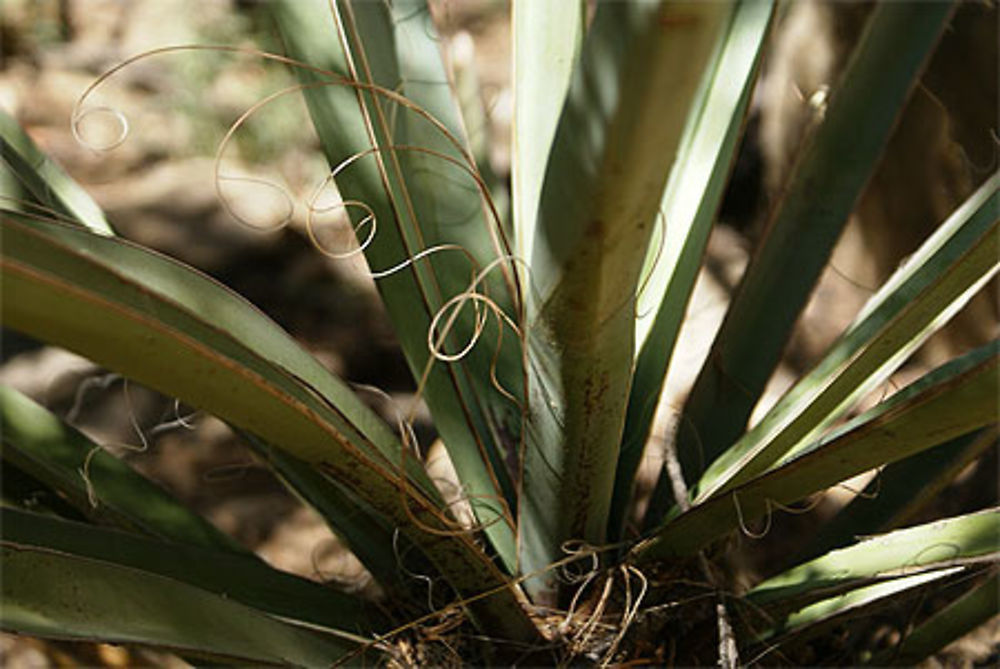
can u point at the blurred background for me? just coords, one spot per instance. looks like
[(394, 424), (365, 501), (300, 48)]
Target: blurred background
[(172, 111)]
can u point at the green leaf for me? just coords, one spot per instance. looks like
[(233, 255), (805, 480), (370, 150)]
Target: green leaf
[(470, 96), (44, 180), (811, 596), (173, 329), (827, 179), (901, 490), (41, 445), (949, 624), (241, 578), (945, 543), (62, 596), (689, 204), (947, 270), (622, 123), (950, 401), (855, 603), (69, 267), (419, 201), (546, 43), (369, 537)]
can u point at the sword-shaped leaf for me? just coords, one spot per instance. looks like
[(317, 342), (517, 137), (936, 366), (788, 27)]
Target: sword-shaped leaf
[(949, 624), (414, 180), (815, 618), (826, 181), (61, 596), (937, 281), (546, 43), (620, 128), (38, 443), (689, 204), (368, 535), (901, 490), (945, 543), (953, 399), (175, 330), (38, 176), (238, 577)]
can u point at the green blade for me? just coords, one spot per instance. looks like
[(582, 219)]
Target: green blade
[(949, 624), (41, 445), (62, 596), (815, 618), (624, 115), (901, 490), (947, 270), (420, 200), (241, 578), (837, 585), (369, 537), (945, 543), (173, 329), (827, 179), (689, 205), (70, 266), (950, 401), (546, 43), (44, 180), (470, 96)]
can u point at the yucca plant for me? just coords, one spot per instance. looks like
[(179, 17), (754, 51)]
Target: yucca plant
[(540, 343)]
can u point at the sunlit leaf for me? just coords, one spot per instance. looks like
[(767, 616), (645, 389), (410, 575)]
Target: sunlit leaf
[(688, 209), (38, 176), (827, 179), (958, 397), (173, 329), (624, 116)]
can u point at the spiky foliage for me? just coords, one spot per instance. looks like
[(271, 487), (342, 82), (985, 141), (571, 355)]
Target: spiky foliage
[(525, 341)]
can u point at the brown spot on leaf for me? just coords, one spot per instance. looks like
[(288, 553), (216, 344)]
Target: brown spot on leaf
[(677, 20)]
